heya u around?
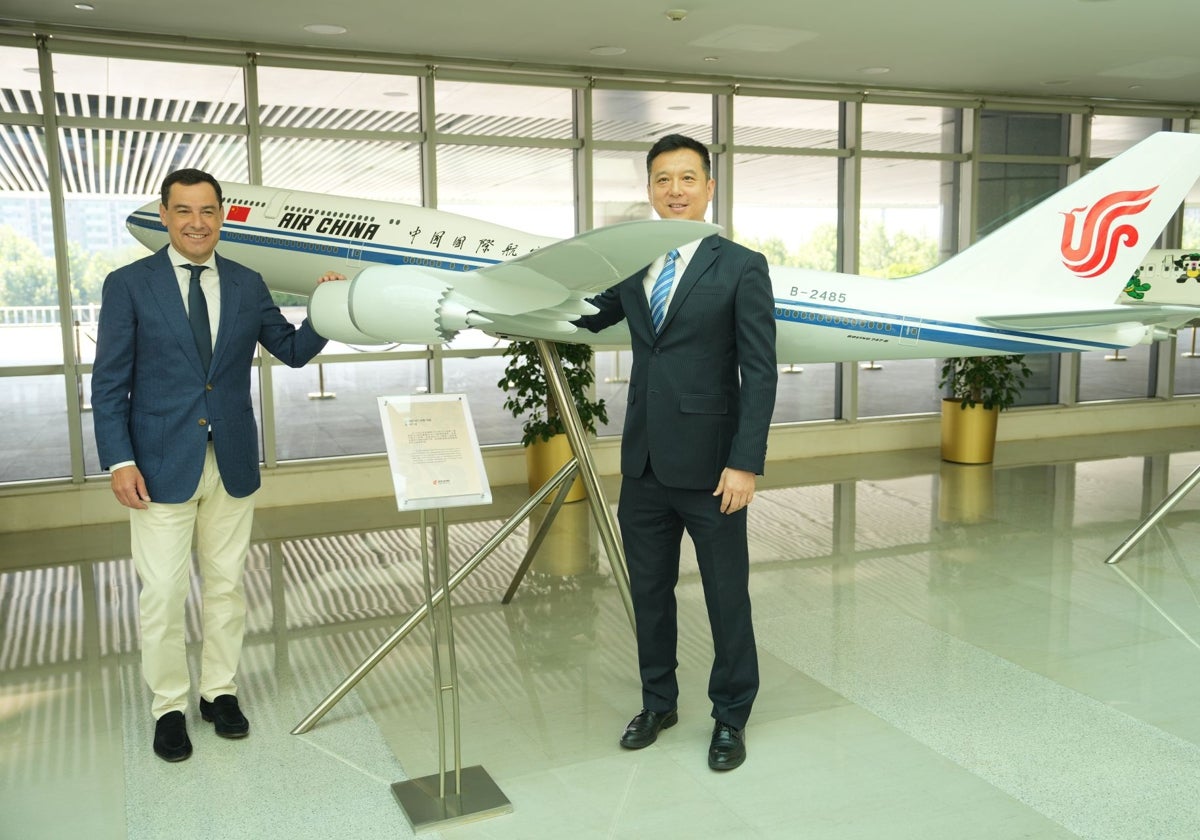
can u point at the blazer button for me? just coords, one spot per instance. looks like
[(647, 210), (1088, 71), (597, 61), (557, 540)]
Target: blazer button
[(208, 386), (203, 422)]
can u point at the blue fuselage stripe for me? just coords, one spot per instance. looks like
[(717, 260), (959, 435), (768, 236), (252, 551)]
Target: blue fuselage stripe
[(943, 332), (330, 246)]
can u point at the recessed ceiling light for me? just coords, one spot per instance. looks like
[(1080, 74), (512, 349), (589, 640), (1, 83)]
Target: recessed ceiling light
[(875, 71), (607, 50), (85, 7), (712, 58), (395, 93), (676, 15), (1135, 87), (325, 29), (679, 107), (30, 69)]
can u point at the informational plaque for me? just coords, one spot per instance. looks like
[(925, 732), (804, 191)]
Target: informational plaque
[(433, 452)]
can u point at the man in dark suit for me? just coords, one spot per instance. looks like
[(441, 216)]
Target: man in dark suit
[(701, 393), (175, 425)]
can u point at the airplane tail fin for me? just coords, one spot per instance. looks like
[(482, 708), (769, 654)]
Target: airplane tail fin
[(1079, 248)]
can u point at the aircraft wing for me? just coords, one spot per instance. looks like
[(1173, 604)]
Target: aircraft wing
[(1146, 314), (574, 268), (537, 295)]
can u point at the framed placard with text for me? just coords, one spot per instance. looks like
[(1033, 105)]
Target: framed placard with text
[(433, 451)]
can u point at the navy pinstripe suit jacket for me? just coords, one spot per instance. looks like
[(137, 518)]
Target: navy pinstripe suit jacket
[(701, 392)]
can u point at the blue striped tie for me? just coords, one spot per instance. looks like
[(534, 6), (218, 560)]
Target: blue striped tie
[(662, 290)]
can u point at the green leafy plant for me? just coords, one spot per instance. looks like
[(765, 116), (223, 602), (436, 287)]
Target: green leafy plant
[(529, 396), (990, 381)]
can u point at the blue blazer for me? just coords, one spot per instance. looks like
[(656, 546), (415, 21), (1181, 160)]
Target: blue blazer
[(152, 402), (702, 391)]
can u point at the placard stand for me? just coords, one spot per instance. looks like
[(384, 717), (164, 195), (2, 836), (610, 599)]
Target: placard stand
[(605, 524), (436, 463), (600, 513), (436, 801)]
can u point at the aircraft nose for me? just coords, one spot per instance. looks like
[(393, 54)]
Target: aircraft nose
[(143, 225)]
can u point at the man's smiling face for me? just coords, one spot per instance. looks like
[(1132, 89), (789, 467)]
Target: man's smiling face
[(193, 219), (679, 187)]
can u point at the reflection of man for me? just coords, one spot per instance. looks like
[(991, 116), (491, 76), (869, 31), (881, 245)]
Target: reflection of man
[(175, 425), (701, 393)]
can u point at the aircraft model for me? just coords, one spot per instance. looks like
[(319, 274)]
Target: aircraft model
[(1074, 273)]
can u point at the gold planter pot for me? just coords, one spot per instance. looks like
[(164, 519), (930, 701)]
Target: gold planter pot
[(968, 434), (544, 458)]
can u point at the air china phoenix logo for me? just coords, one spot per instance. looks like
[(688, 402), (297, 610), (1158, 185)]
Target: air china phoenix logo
[(1092, 250)]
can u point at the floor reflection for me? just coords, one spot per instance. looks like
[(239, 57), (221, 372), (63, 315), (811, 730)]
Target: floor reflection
[(942, 648)]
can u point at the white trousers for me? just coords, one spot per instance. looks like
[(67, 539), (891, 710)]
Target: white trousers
[(161, 538)]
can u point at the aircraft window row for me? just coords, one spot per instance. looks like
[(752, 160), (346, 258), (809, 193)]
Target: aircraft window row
[(244, 202), (313, 212), (257, 239), (823, 318)]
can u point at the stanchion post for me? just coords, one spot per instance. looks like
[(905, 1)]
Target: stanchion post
[(321, 393)]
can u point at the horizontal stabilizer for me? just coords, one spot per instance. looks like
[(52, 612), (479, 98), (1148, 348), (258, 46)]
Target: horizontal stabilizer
[(1152, 314)]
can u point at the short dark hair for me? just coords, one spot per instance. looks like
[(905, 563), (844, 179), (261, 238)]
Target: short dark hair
[(678, 141), (189, 177)]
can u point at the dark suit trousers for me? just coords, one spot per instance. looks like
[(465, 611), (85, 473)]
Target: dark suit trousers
[(653, 519)]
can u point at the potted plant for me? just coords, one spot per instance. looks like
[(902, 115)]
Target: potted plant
[(980, 387), (529, 399)]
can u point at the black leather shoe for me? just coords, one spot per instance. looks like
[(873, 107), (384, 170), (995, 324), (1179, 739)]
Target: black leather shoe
[(643, 730), (225, 716), (728, 747), (171, 742)]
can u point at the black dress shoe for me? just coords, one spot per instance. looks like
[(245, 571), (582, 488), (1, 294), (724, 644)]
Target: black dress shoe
[(728, 747), (225, 716), (171, 742), (643, 730)]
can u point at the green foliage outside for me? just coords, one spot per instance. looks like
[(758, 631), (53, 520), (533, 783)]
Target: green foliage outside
[(881, 254), (27, 277)]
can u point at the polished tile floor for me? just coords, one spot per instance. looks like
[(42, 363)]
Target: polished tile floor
[(944, 654)]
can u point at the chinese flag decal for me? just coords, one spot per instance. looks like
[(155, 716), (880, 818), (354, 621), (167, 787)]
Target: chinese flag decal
[(237, 213), (1091, 250)]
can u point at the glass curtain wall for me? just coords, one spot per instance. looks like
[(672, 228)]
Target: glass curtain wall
[(906, 225), (1187, 359), (1127, 373), (785, 204), (525, 151), (349, 133)]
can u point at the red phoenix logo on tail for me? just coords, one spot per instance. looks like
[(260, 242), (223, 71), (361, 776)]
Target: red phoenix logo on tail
[(1101, 234)]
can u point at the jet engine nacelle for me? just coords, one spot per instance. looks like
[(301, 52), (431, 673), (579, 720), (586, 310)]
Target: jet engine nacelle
[(385, 304)]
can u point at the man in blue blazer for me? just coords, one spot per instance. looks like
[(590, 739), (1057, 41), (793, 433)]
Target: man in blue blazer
[(701, 393), (175, 426)]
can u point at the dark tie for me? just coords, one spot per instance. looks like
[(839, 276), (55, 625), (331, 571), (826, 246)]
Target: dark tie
[(662, 290), (198, 315)]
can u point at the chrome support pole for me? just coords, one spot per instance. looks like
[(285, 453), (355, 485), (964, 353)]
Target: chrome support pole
[(605, 523), (511, 524), (1158, 513)]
